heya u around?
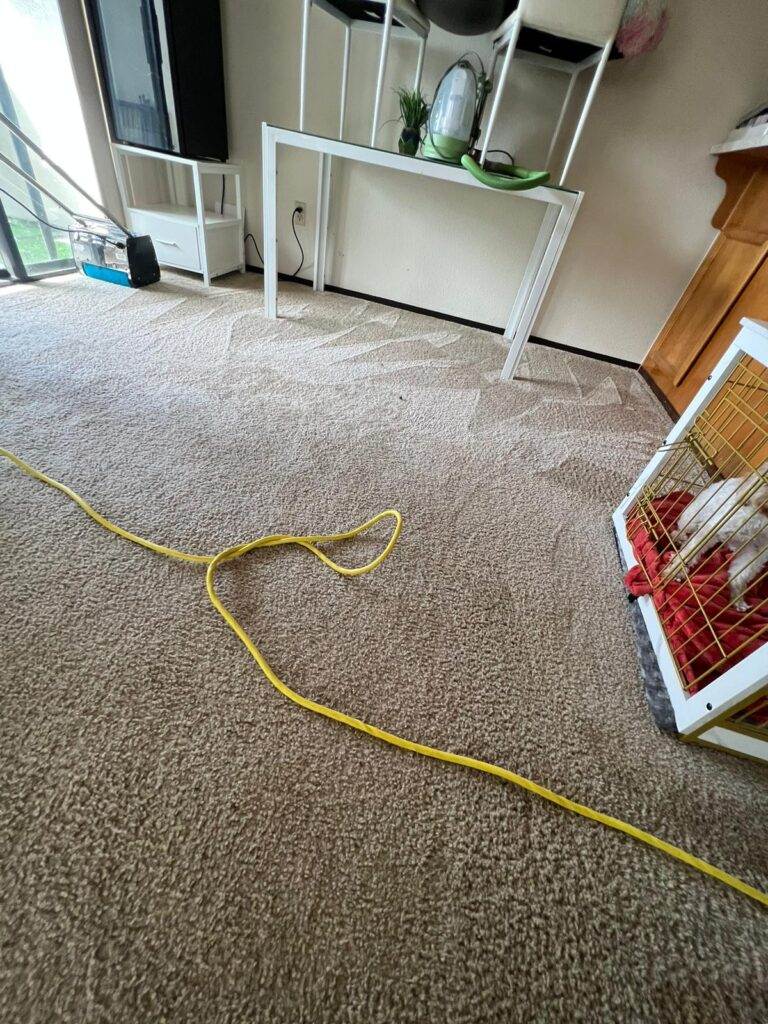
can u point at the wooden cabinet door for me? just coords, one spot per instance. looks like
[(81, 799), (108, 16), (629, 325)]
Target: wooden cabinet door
[(752, 302), (729, 284), (673, 362)]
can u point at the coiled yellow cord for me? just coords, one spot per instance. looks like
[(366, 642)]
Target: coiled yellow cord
[(310, 543)]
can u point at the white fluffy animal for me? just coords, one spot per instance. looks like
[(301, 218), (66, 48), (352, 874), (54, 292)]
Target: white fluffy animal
[(727, 513)]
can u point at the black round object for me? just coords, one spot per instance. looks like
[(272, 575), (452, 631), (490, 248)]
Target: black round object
[(467, 17)]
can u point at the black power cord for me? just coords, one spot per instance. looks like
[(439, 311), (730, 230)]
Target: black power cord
[(296, 211), (249, 235), (301, 247), (58, 227), (55, 227), (505, 152), (255, 245), (223, 187)]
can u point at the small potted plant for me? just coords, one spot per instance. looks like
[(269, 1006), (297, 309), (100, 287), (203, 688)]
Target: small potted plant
[(413, 114)]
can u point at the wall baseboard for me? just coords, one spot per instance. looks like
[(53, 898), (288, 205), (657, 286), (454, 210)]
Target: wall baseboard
[(534, 339)]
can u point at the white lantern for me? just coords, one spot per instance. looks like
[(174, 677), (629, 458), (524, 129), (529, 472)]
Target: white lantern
[(451, 118)]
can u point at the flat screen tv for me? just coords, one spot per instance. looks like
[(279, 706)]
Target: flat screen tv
[(161, 69)]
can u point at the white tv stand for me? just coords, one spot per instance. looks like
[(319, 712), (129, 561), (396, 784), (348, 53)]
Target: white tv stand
[(186, 234)]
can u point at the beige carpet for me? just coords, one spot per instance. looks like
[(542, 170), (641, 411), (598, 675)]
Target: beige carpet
[(181, 844)]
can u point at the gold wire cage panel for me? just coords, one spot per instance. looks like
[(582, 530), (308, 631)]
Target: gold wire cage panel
[(693, 532)]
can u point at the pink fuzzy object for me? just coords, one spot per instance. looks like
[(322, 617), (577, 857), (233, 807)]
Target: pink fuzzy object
[(642, 27)]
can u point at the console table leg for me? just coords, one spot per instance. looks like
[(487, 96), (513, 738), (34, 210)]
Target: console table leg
[(539, 271), (269, 215), (321, 234)]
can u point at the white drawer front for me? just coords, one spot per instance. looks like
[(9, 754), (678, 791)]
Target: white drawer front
[(175, 242)]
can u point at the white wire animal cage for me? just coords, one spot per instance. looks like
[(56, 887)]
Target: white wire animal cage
[(693, 534)]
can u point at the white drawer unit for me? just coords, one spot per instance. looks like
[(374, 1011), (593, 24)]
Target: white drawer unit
[(174, 234), (189, 237)]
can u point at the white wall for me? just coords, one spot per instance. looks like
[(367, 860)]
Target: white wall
[(643, 162)]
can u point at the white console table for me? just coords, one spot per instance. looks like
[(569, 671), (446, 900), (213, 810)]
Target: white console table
[(560, 204), (185, 236)]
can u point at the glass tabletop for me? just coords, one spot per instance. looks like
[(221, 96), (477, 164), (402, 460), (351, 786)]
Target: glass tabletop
[(391, 150)]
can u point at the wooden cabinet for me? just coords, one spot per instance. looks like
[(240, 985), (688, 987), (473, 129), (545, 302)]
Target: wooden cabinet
[(731, 282)]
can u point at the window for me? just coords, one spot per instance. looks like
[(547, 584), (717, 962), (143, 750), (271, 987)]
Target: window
[(38, 92)]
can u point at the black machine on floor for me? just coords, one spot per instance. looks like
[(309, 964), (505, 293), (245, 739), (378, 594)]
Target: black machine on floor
[(129, 260)]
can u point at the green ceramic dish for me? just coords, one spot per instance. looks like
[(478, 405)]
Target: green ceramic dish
[(512, 178)]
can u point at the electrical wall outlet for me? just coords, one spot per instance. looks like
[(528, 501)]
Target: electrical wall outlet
[(301, 216)]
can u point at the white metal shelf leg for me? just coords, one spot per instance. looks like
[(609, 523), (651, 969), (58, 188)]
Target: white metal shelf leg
[(593, 86), (344, 78), (305, 16), (501, 86), (385, 37), (321, 234), (561, 119), (269, 215), (539, 285), (200, 211), (420, 64)]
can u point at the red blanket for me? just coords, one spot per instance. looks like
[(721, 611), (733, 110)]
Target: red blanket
[(706, 633)]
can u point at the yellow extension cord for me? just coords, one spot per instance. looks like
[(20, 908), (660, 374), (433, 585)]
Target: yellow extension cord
[(310, 543)]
